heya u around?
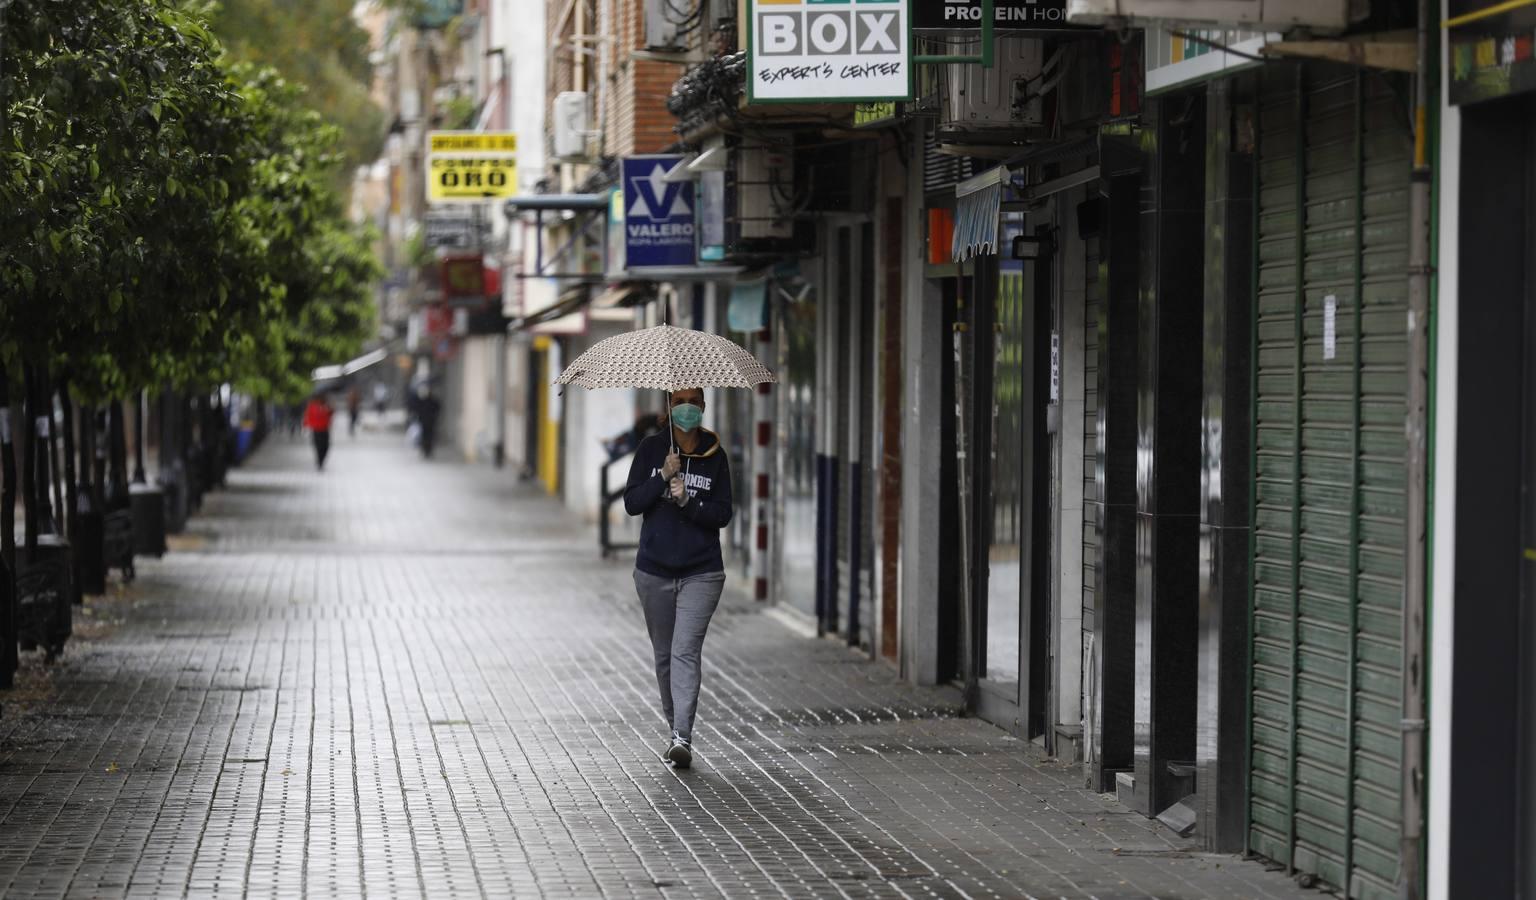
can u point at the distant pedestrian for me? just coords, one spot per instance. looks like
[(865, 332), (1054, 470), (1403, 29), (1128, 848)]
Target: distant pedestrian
[(380, 397), (354, 409), (317, 418), (427, 410), (680, 481)]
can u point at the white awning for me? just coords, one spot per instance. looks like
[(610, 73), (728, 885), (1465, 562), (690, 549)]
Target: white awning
[(978, 201)]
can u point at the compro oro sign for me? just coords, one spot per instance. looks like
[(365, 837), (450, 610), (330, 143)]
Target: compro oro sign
[(469, 166), (828, 50)]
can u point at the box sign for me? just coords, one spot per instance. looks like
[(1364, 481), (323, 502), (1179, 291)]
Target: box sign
[(1006, 14), (819, 51), (659, 224), (471, 167)]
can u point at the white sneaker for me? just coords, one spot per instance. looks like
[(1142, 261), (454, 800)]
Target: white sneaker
[(680, 754)]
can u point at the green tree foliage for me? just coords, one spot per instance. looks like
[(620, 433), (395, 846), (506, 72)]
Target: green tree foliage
[(161, 216), (318, 45)]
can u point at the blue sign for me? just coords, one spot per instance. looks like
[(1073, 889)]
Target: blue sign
[(658, 214)]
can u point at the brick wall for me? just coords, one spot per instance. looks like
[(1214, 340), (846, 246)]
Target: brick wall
[(638, 121)]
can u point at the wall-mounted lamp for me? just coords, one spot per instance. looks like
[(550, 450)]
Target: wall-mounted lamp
[(1026, 247)]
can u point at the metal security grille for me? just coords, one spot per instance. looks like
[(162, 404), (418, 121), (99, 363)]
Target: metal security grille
[(942, 171), (1329, 487), (1093, 305)]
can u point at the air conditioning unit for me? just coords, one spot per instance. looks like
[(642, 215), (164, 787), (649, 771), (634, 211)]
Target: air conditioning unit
[(665, 21), (570, 126), (1003, 103), (1277, 15)]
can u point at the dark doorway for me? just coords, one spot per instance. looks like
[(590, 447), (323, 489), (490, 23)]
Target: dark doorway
[(1493, 745)]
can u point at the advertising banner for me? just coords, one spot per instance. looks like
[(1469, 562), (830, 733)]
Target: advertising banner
[(659, 226), (821, 51)]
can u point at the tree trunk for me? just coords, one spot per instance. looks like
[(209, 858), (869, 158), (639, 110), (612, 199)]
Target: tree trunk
[(51, 448), (7, 535), (29, 474), (117, 432), (71, 485), (96, 456), (140, 410)]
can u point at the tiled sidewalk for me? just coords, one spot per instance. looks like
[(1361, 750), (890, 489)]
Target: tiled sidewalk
[(401, 678)]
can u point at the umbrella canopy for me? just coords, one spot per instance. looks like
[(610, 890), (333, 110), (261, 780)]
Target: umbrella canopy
[(666, 359)]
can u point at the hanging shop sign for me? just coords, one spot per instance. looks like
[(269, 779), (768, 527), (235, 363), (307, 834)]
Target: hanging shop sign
[(874, 115), (433, 14), (659, 226), (1177, 58), (470, 167), (1492, 49), (454, 232), (1006, 14), (712, 216), (818, 51)]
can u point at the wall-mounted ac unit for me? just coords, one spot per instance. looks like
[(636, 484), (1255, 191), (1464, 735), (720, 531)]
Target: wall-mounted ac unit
[(664, 23), (1278, 15), (570, 125), (998, 104)]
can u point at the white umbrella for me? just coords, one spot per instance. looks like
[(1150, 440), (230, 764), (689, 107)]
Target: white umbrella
[(667, 359)]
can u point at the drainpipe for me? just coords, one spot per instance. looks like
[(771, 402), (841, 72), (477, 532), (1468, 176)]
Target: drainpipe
[(1410, 869)]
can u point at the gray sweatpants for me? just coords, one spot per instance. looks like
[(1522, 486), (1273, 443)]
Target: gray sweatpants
[(677, 613)]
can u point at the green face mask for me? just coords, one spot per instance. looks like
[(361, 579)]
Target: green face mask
[(687, 416)]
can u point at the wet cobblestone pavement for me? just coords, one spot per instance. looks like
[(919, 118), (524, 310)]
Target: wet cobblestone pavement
[(403, 679)]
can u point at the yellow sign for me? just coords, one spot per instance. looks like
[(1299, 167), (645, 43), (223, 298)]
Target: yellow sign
[(471, 166), (471, 142), (470, 178), (867, 114)]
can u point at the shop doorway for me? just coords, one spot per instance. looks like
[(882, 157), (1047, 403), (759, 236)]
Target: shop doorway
[(1010, 310), (1493, 681)]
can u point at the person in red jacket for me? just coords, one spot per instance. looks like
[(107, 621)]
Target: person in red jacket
[(317, 418)]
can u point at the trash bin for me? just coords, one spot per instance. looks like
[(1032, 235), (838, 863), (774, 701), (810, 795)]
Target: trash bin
[(117, 541), (147, 505), (244, 440), (44, 589)]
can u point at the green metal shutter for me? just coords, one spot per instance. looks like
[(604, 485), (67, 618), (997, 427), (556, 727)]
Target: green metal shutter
[(1328, 546)]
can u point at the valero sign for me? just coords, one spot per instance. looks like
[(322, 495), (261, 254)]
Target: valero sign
[(828, 51), (470, 167), (659, 222)]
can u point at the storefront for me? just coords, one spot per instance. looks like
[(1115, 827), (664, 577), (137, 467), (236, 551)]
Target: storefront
[(1328, 567), (1486, 573)]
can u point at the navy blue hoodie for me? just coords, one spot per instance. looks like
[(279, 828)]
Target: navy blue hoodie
[(676, 542)]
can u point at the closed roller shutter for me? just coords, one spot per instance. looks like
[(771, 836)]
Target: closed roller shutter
[(1334, 158), (1093, 303)]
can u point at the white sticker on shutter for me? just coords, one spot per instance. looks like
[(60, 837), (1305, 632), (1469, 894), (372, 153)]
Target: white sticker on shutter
[(1330, 327)]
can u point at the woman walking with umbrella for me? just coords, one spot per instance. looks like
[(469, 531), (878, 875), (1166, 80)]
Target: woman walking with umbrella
[(680, 481)]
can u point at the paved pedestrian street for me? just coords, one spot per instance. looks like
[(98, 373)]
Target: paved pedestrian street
[(400, 678)]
